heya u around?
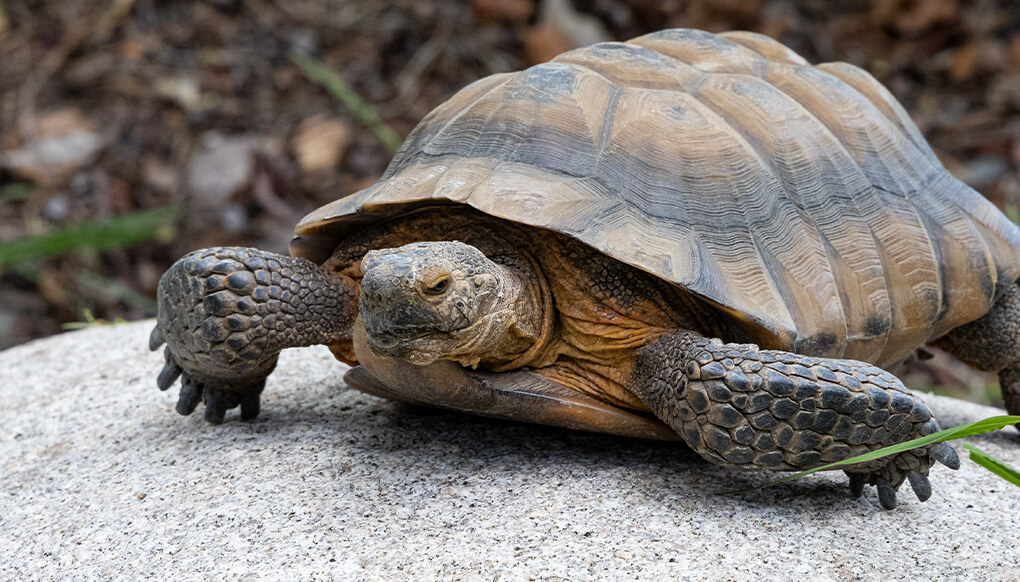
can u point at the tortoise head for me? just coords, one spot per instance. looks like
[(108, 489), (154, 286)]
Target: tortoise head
[(430, 300)]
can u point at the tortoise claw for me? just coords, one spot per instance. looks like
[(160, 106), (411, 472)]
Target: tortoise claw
[(215, 407), (189, 397), (155, 338), (217, 400), (920, 484), (886, 495), (945, 454), (169, 374), (250, 402), (909, 466)]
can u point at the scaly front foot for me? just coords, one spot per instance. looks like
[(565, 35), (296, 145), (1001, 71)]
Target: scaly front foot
[(225, 313)]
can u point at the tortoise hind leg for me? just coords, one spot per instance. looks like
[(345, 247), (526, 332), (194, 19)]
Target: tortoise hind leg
[(992, 344), (737, 405)]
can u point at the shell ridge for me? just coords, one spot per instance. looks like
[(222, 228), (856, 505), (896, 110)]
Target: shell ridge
[(691, 39), (756, 41), (889, 106), (896, 202), (422, 146), (606, 131), (931, 206), (587, 68), (752, 149)]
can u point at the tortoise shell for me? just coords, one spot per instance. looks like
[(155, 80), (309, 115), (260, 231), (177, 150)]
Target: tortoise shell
[(800, 199)]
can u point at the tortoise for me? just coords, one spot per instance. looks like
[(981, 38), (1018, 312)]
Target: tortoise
[(688, 236)]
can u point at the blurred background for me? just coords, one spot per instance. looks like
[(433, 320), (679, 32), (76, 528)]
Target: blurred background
[(133, 131)]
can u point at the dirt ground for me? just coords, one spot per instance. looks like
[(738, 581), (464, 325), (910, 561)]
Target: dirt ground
[(111, 110)]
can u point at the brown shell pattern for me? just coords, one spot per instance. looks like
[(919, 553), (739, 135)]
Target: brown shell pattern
[(800, 198)]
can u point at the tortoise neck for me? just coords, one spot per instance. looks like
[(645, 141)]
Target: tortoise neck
[(534, 315)]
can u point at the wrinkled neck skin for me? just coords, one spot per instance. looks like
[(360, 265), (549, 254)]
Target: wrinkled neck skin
[(520, 324)]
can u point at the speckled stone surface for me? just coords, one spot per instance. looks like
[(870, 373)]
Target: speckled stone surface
[(102, 480)]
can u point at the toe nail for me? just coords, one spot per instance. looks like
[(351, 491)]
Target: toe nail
[(249, 406), (920, 484), (856, 484), (170, 372), (946, 455), (155, 339), (190, 396), (887, 496), (215, 410)]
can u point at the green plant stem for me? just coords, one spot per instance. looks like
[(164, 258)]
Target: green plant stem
[(336, 86), (956, 432)]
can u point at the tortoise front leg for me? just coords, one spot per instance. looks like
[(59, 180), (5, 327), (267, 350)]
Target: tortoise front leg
[(737, 405), (225, 314)]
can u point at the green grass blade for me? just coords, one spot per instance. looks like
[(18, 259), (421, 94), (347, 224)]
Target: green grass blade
[(15, 191), (118, 231), (992, 464), (957, 432), (336, 86)]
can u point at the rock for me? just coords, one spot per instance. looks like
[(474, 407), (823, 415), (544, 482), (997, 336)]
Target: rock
[(62, 142), (220, 168), (101, 479)]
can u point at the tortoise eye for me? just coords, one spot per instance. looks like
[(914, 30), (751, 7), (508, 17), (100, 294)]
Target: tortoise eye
[(439, 287)]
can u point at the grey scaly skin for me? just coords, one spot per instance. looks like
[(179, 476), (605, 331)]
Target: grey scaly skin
[(225, 313), (737, 405)]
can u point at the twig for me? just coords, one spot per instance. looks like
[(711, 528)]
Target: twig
[(336, 86)]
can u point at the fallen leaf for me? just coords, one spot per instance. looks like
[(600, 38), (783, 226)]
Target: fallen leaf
[(561, 28), (183, 90), (964, 63), (320, 142), (925, 14), (503, 10)]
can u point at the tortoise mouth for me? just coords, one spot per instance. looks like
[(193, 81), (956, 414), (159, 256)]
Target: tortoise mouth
[(416, 346)]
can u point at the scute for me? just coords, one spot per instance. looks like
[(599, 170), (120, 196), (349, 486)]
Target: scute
[(800, 199)]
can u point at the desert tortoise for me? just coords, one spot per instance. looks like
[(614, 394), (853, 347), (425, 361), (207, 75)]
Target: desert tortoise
[(687, 235)]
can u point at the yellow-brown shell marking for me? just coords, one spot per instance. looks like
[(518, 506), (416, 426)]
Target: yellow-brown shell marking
[(799, 198)]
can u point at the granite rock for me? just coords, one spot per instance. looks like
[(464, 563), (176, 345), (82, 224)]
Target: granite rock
[(102, 480)]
